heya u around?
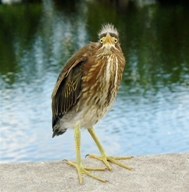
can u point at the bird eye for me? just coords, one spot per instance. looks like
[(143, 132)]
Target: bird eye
[(115, 40), (101, 40)]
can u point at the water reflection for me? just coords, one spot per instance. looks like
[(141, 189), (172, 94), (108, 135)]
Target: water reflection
[(151, 114)]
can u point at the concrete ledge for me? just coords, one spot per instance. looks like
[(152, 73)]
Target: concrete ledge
[(162, 173)]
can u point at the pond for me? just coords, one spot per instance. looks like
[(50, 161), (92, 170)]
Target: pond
[(151, 112)]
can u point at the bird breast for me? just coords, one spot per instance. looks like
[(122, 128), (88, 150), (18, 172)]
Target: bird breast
[(101, 82)]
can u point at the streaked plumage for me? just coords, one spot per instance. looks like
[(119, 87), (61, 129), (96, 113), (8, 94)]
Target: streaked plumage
[(87, 85), (89, 81)]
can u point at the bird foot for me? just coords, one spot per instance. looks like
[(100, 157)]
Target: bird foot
[(85, 170), (105, 158)]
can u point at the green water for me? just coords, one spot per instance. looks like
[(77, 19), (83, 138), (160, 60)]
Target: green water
[(151, 113)]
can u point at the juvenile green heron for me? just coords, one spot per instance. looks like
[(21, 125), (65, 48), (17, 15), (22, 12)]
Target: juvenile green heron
[(85, 90)]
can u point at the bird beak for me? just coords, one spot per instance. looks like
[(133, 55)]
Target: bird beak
[(108, 38)]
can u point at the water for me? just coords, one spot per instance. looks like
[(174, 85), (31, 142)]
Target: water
[(151, 113)]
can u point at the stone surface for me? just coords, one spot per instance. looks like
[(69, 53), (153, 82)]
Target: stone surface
[(154, 173)]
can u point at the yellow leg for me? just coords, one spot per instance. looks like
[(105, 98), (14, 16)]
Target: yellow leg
[(104, 157), (78, 165)]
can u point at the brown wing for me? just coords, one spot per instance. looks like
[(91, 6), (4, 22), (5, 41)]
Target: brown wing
[(68, 86)]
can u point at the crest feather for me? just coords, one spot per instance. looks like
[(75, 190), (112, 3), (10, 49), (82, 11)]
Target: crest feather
[(108, 28)]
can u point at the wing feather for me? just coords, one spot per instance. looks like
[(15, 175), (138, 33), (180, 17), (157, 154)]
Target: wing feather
[(68, 86), (68, 93)]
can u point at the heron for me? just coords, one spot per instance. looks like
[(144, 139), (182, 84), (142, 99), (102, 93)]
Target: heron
[(85, 91)]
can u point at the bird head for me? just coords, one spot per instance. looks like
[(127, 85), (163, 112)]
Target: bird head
[(108, 36)]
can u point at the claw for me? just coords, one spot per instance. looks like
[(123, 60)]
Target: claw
[(84, 170), (106, 158)]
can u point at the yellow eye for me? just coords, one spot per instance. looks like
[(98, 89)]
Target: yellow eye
[(115, 40), (101, 40)]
